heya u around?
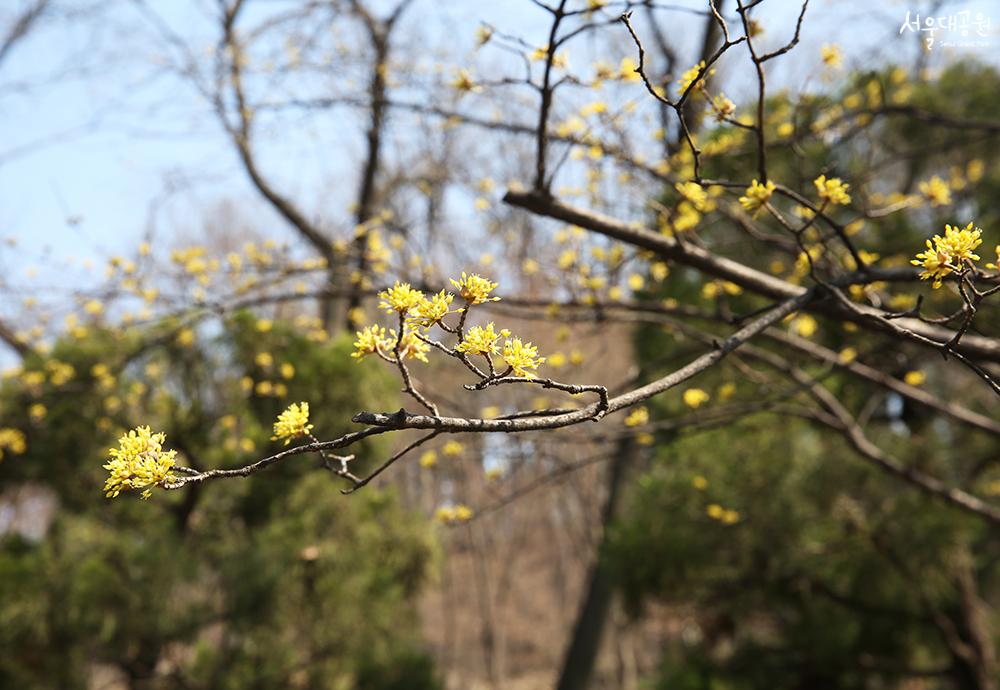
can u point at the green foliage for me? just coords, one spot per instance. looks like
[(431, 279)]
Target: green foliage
[(834, 575), (275, 580), (828, 579)]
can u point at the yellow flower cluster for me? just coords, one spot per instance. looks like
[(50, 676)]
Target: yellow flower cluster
[(693, 192), (689, 76), (831, 55), (723, 515), (411, 347), (637, 417), (475, 289), (430, 311), (833, 190), (400, 298), (520, 357), (936, 191), (695, 397), (756, 196), (425, 312), (464, 82), (139, 462), (948, 254), (482, 340), (454, 514), (371, 340), (12, 440), (723, 107), (292, 423)]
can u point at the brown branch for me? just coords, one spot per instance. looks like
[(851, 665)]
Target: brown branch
[(987, 349)]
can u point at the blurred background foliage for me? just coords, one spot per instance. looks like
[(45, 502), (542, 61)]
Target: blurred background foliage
[(261, 583)]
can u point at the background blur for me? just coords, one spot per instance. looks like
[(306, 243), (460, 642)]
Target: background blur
[(157, 268)]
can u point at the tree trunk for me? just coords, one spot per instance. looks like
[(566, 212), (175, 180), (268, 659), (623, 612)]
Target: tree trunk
[(581, 656)]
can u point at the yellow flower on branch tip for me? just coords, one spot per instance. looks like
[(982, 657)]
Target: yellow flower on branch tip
[(833, 190), (936, 191), (400, 298), (292, 423), (695, 397), (521, 356), (693, 192), (431, 310), (757, 195), (370, 340), (481, 340), (947, 254), (475, 289), (139, 462)]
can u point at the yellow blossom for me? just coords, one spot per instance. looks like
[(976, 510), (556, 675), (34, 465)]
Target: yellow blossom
[(452, 448), (12, 440), (37, 412), (995, 266), (727, 391), (699, 482), (370, 340), (139, 462), (914, 378), (464, 82), (453, 514), (695, 397), (832, 57), (521, 356), (628, 70), (833, 190), (805, 326), (637, 417), (723, 107), (689, 76), (428, 459), (400, 298), (693, 192), (757, 195), (847, 355), (430, 311), (947, 254), (292, 423), (410, 347), (715, 511), (475, 289), (936, 191), (287, 370), (481, 340)]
